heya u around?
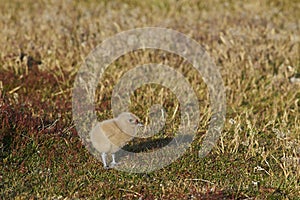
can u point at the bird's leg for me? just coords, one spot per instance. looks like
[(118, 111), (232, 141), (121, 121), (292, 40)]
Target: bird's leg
[(113, 162), (103, 156)]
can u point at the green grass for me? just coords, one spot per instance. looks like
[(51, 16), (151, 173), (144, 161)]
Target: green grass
[(256, 46)]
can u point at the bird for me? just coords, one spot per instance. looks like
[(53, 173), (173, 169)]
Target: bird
[(295, 78), (111, 135)]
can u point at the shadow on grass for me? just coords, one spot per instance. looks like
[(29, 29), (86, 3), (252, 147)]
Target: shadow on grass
[(152, 144)]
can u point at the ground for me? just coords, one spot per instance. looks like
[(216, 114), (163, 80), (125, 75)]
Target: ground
[(255, 45)]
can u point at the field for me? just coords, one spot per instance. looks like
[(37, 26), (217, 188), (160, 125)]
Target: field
[(256, 47)]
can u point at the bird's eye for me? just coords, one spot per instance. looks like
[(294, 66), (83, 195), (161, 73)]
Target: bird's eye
[(133, 121)]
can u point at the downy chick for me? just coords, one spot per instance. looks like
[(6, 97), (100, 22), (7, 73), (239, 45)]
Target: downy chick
[(110, 135)]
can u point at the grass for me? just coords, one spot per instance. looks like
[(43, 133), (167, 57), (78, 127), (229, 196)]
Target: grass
[(256, 46)]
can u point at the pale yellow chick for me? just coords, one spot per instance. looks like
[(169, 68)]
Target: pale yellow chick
[(110, 135)]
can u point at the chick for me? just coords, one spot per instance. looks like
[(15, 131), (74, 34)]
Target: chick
[(111, 135)]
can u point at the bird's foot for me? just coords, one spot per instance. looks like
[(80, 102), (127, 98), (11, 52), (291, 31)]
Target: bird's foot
[(113, 164), (106, 166)]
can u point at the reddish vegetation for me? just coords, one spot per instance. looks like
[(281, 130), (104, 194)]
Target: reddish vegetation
[(32, 110)]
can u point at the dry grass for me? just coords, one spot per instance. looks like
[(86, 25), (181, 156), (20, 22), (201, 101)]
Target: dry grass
[(256, 46)]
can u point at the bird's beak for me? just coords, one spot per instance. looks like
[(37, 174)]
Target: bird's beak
[(138, 123)]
